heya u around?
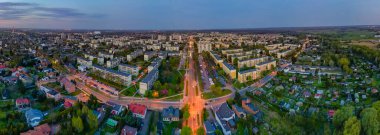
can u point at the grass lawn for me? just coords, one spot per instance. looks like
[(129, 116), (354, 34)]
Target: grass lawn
[(107, 82), (130, 91), (208, 95), (175, 98)]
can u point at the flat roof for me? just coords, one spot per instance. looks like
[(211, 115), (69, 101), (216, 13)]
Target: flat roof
[(229, 66), (247, 71), (112, 71), (265, 62), (149, 76)]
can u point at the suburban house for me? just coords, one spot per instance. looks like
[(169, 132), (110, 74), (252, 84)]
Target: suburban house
[(33, 117), (116, 108), (22, 103), (69, 86), (239, 111), (43, 129), (249, 107), (225, 118), (127, 130), (209, 128), (137, 110), (53, 94), (170, 114)]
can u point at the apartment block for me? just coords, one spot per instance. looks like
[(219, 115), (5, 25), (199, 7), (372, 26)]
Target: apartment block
[(229, 70), (147, 82), (130, 69), (246, 75), (116, 76)]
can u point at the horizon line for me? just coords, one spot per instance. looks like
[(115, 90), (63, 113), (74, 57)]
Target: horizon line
[(205, 29)]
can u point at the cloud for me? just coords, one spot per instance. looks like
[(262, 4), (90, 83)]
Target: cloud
[(22, 10)]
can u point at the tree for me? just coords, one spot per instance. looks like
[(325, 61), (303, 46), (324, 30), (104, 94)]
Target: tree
[(77, 123), (92, 121), (344, 61), (95, 61), (157, 85), (352, 126), (85, 110), (218, 132), (238, 98), (93, 102), (186, 130), (21, 87), (341, 115), (186, 113), (376, 105), (235, 62), (216, 90), (369, 122), (200, 131)]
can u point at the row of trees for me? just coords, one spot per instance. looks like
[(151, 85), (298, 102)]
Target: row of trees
[(367, 122)]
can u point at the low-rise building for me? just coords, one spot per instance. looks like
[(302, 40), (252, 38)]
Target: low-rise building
[(33, 117), (22, 103), (170, 114), (127, 130), (138, 110), (68, 85), (225, 118), (43, 129), (147, 82)]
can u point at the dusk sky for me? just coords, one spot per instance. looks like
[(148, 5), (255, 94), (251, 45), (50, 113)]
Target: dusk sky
[(186, 14)]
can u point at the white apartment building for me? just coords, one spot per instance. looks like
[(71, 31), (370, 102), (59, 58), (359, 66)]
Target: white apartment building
[(130, 69)]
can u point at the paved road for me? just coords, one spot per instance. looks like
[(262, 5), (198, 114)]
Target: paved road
[(145, 128), (192, 97)]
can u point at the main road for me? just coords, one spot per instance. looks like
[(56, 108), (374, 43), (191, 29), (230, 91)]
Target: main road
[(192, 93)]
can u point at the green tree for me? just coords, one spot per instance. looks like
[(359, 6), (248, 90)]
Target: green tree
[(186, 113), (200, 131), (21, 86), (77, 123), (352, 126), (186, 130), (95, 61), (218, 132), (341, 115), (369, 122), (92, 121), (376, 105), (157, 85), (85, 110)]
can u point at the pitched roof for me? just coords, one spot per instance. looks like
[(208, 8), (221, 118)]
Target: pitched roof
[(127, 130), (224, 111), (170, 112), (137, 109)]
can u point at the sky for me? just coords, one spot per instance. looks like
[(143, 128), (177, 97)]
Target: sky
[(185, 14)]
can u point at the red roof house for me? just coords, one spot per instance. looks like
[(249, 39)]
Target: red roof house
[(137, 110)]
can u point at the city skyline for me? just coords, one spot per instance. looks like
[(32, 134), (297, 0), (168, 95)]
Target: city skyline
[(185, 15)]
